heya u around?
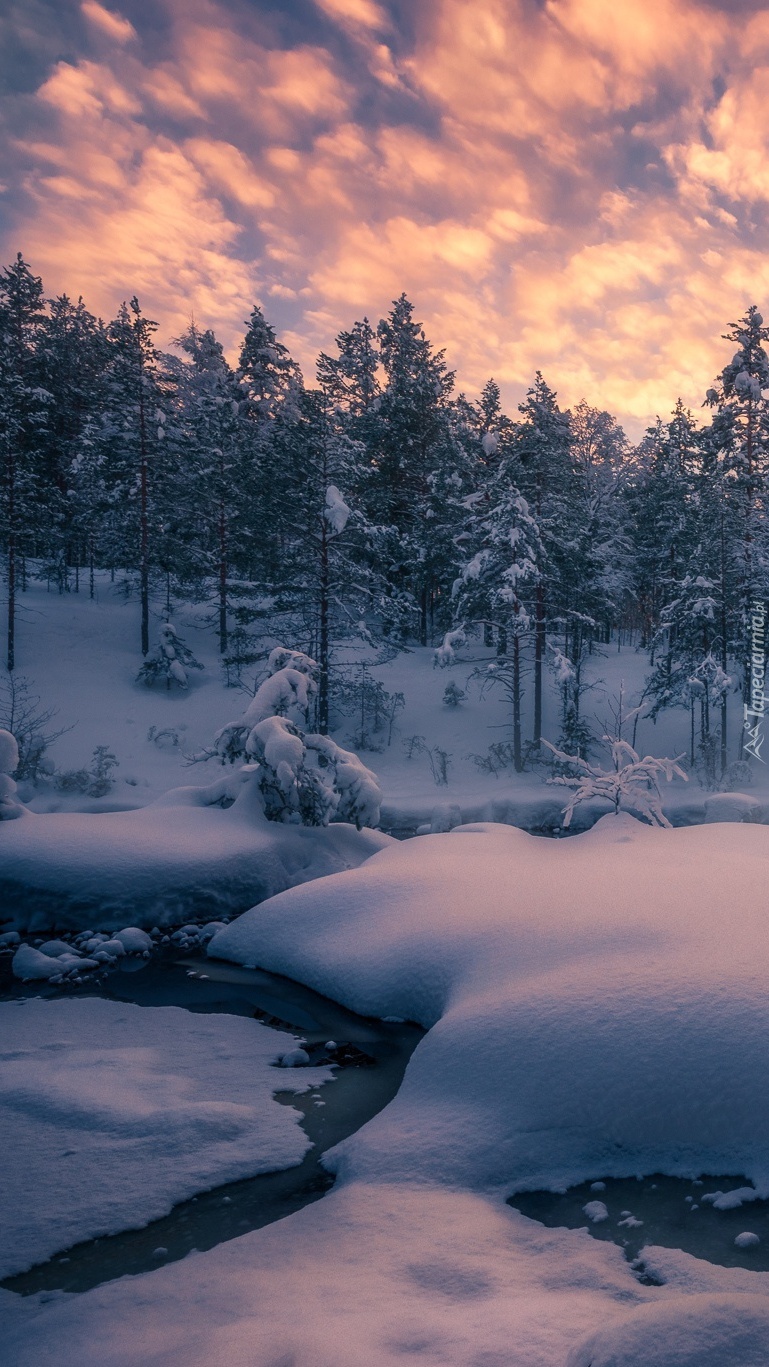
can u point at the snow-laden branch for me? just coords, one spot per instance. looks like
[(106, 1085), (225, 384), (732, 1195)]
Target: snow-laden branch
[(633, 782)]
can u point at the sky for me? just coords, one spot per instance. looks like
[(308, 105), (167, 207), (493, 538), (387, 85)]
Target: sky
[(578, 186)]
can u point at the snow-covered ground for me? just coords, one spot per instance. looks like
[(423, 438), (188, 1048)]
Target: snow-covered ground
[(111, 1113), (596, 1007), (82, 657), (169, 862)]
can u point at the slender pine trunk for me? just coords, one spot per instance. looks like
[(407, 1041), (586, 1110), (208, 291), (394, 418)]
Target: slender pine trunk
[(324, 604), (517, 748), (144, 573), (11, 560)]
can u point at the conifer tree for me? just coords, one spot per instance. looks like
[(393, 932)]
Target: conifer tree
[(137, 401), (211, 399), (24, 415), (547, 479), (740, 432)]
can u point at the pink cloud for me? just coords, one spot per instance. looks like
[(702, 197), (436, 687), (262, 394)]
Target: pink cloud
[(112, 25), (554, 185)]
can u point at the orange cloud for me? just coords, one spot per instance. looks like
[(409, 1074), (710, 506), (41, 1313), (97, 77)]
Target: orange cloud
[(558, 185), (113, 25)]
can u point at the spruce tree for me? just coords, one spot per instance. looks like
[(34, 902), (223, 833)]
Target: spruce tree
[(24, 416)]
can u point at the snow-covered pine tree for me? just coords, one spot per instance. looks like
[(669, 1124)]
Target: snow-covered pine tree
[(171, 660), (328, 586), (24, 416), (499, 578), (269, 441), (350, 380), (210, 397), (687, 672), (301, 777), (660, 496), (547, 479), (135, 453), (409, 442), (741, 431), (71, 355)]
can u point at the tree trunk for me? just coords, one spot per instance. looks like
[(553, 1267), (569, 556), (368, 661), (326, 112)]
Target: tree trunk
[(11, 652), (323, 631), (517, 749), (144, 575), (539, 656)]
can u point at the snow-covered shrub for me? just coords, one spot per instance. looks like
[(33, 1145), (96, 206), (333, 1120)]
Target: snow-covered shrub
[(302, 777), (453, 695), (10, 806), (171, 660), (445, 655), (309, 779), (438, 759), (736, 776), (499, 756), (22, 715), (631, 783), (358, 694), (288, 691), (94, 782), (164, 737)]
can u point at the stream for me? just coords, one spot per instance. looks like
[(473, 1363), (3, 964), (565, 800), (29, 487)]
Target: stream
[(371, 1056)]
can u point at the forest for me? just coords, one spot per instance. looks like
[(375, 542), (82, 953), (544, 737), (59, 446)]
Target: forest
[(380, 505)]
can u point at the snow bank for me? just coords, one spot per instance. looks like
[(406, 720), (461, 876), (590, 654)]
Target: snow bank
[(597, 1008), (175, 860), (592, 1014), (382, 1276), (111, 1113), (694, 1331)]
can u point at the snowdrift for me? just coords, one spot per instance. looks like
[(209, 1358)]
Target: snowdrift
[(597, 1004), (597, 1007), (181, 858)]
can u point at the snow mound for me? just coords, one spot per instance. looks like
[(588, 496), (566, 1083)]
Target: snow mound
[(111, 1113), (31, 965), (729, 1330), (733, 807), (133, 940), (9, 752), (183, 856), (589, 1015)]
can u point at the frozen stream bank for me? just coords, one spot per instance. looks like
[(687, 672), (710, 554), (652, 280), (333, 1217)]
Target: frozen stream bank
[(370, 1058)]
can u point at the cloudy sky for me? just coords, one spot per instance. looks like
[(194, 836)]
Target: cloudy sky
[(575, 185)]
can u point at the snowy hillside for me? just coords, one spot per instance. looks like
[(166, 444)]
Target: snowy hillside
[(81, 658)]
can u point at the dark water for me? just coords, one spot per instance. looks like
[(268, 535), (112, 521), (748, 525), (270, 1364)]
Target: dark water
[(371, 1057), (673, 1213)]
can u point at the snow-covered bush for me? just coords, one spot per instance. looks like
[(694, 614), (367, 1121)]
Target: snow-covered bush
[(302, 777), (453, 695), (10, 806), (631, 783), (438, 759), (94, 782), (445, 655), (171, 660), (309, 778), (288, 691), (21, 713)]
